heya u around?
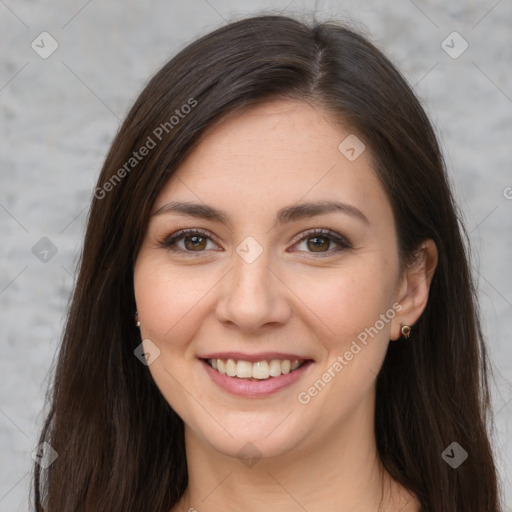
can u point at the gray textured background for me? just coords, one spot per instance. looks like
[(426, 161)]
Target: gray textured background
[(59, 115)]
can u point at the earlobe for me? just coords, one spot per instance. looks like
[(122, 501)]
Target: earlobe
[(414, 287)]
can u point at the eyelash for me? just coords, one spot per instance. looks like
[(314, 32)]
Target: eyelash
[(343, 244)]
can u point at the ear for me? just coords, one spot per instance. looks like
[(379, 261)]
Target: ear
[(414, 286)]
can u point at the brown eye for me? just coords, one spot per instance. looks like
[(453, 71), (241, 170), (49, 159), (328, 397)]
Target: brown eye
[(188, 241), (318, 243), (322, 242), (194, 243)]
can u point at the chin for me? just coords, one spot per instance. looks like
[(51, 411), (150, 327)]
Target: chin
[(254, 436)]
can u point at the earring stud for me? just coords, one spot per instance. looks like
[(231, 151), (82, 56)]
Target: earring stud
[(406, 331), (137, 322)]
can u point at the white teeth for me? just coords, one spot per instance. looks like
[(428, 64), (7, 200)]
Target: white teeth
[(231, 367), (275, 368), (259, 370), (244, 369)]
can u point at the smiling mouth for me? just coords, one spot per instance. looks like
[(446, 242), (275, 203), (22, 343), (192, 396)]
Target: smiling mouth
[(259, 370)]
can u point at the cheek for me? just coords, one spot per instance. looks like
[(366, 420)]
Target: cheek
[(348, 322), (169, 303), (168, 300), (347, 302)]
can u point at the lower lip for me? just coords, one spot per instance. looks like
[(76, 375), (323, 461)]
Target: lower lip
[(255, 388)]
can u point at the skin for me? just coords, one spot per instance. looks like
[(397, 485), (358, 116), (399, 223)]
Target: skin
[(292, 298)]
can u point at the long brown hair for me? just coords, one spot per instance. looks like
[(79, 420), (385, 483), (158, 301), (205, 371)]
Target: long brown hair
[(120, 445)]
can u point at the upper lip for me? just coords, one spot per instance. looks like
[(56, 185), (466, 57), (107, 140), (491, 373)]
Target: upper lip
[(261, 356)]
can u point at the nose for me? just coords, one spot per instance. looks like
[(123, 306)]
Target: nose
[(253, 297)]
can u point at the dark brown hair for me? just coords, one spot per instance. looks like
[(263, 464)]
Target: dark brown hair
[(120, 444)]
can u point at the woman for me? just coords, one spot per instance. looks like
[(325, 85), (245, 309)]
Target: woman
[(274, 306)]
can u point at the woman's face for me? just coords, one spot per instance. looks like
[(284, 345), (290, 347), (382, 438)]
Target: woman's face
[(290, 254)]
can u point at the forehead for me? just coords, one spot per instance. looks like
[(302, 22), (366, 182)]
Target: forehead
[(275, 154), (274, 136)]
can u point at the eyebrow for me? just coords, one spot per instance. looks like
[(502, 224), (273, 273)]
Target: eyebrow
[(285, 215)]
